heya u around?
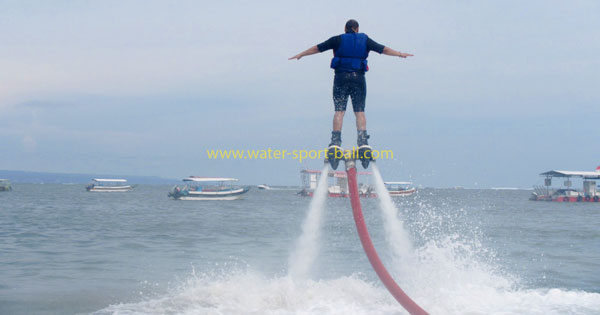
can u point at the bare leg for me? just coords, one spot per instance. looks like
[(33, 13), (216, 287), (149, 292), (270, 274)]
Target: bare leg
[(361, 121), (338, 120)]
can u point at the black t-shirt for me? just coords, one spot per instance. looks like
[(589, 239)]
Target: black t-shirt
[(335, 42)]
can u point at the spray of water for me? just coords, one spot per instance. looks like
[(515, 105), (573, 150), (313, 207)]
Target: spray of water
[(307, 245), (396, 235), (442, 265)]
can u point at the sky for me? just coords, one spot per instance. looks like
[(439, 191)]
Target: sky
[(496, 93)]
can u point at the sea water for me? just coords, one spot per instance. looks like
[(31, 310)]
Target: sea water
[(66, 251)]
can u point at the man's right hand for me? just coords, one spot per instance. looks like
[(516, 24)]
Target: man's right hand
[(390, 52)]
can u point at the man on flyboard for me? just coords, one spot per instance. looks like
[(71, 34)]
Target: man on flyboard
[(350, 51)]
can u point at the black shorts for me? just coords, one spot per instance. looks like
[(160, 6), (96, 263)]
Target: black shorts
[(351, 84)]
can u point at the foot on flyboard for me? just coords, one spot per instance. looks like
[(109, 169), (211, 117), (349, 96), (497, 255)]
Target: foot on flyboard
[(365, 154), (334, 155)]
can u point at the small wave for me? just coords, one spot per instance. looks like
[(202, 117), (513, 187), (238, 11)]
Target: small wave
[(251, 293)]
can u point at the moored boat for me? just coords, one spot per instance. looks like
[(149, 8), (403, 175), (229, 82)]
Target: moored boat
[(208, 188), (567, 194), (400, 188), (337, 189), (5, 185), (108, 185)]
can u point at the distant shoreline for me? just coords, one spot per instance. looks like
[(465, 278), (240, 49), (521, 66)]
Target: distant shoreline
[(28, 177)]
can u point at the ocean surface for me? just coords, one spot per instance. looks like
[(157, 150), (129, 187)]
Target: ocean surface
[(454, 251)]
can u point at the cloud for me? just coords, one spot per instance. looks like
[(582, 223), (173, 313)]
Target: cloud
[(82, 80)]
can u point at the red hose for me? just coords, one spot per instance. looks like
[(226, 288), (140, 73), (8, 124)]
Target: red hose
[(367, 244)]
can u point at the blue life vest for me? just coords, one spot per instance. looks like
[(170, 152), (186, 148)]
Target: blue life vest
[(352, 54)]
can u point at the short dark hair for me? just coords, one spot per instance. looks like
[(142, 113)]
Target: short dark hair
[(351, 26)]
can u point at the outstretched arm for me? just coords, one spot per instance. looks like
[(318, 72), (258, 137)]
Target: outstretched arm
[(311, 51), (390, 52)]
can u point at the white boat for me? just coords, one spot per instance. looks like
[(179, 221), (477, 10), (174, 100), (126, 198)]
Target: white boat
[(5, 185), (208, 188), (400, 188), (108, 185), (263, 186), (339, 188), (589, 193)]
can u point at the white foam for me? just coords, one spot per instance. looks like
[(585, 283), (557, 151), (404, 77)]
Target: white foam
[(251, 293)]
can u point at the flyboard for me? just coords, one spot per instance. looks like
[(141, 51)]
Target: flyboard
[(335, 155)]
